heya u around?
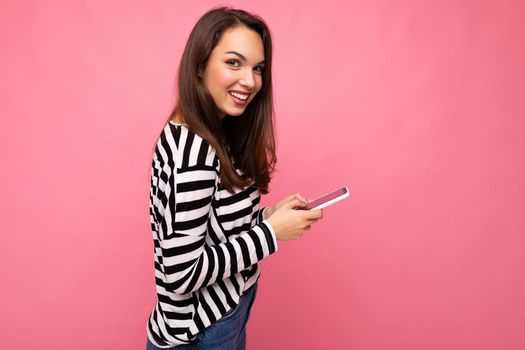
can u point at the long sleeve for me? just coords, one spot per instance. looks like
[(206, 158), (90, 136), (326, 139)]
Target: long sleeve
[(190, 170)]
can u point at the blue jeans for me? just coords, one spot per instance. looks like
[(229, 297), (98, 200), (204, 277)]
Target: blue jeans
[(228, 333)]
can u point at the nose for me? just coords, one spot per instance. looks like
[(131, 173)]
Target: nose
[(247, 79)]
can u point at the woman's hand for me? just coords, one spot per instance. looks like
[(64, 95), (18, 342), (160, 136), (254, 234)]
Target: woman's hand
[(270, 210), (289, 221)]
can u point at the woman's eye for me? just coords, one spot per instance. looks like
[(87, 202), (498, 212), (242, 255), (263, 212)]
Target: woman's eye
[(233, 63), (259, 69)]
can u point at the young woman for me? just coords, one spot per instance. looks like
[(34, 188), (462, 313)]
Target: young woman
[(212, 160)]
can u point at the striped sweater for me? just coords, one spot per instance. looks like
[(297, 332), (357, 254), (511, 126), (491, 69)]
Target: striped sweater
[(207, 241)]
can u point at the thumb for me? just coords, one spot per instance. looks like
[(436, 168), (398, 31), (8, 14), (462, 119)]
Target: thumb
[(294, 203)]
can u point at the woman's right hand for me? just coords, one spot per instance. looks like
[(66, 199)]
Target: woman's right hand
[(289, 221)]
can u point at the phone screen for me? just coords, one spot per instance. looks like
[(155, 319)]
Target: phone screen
[(327, 198)]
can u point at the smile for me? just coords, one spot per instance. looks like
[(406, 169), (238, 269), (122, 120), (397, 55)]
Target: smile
[(238, 95)]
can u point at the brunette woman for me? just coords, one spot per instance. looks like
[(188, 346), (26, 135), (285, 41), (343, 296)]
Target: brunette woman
[(212, 161)]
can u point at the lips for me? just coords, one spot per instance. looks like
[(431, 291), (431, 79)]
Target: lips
[(239, 97), (239, 94)]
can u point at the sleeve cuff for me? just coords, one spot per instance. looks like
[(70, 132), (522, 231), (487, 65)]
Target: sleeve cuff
[(260, 215), (271, 238)]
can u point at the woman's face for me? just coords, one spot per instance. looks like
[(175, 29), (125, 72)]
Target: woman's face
[(234, 71)]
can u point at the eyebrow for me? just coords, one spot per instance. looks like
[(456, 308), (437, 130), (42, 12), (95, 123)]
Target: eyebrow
[(241, 56)]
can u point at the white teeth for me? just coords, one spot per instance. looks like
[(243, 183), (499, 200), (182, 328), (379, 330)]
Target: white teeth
[(239, 96)]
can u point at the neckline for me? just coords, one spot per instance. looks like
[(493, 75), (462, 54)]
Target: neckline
[(178, 124)]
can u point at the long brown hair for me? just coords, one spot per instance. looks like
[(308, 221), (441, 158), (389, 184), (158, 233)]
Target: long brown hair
[(248, 139)]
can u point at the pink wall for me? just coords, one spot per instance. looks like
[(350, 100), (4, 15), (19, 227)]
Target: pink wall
[(417, 106)]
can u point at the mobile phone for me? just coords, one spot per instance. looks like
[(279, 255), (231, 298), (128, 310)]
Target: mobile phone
[(328, 199)]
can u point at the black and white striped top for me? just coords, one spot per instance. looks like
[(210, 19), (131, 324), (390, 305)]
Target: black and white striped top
[(207, 241)]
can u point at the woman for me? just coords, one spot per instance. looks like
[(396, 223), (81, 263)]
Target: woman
[(211, 162)]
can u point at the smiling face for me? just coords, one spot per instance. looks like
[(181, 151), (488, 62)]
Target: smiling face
[(233, 75)]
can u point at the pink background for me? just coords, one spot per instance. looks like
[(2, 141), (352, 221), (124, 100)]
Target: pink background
[(417, 106)]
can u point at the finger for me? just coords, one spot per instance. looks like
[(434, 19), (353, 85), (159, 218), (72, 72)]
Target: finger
[(315, 214), (311, 222), (292, 197), (302, 198), (295, 196), (294, 203), (301, 205)]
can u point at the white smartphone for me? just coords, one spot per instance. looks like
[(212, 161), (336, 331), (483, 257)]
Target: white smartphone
[(328, 199)]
